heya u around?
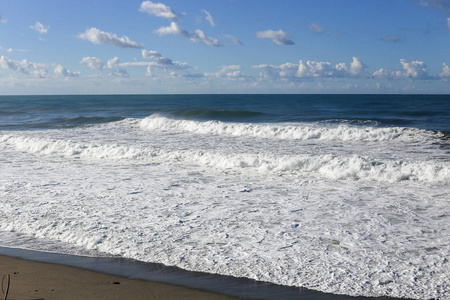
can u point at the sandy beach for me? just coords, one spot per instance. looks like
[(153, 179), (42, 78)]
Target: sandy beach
[(37, 280)]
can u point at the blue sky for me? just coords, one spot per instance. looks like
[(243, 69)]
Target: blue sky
[(224, 46)]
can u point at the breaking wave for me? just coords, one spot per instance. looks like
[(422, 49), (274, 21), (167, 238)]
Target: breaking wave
[(352, 167), (290, 131)]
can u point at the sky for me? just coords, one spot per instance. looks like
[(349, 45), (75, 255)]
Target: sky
[(224, 46)]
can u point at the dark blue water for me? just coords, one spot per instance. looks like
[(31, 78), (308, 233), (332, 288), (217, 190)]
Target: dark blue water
[(430, 112)]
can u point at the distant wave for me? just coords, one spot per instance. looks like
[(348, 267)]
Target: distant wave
[(329, 166), (60, 122), (304, 132), (220, 115)]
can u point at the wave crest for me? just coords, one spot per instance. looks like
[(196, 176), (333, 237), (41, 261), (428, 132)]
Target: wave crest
[(329, 166), (288, 131)]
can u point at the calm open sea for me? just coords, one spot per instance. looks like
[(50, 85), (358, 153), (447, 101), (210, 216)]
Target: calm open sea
[(346, 194)]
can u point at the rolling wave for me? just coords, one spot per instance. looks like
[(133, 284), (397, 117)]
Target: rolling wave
[(352, 167), (222, 115), (290, 131), (55, 123)]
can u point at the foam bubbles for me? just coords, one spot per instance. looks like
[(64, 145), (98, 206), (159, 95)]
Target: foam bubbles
[(343, 209), (301, 132)]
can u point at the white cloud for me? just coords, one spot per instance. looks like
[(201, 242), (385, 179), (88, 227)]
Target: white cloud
[(197, 37), (445, 71), (112, 62), (10, 50), (40, 73), (317, 28), (154, 55), (209, 18), (60, 70), (233, 38), (158, 10), (39, 70), (161, 61), (232, 71), (173, 29), (120, 73), (31, 65), (312, 69), (356, 68), (93, 62), (40, 28), (284, 71), (138, 64), (2, 20), (6, 63), (98, 64), (416, 70), (447, 25), (97, 36), (278, 37)]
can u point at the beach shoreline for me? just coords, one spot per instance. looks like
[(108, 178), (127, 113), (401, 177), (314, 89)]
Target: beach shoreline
[(46, 275), (38, 280)]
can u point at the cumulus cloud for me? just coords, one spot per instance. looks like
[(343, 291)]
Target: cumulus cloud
[(392, 39), (197, 37), (25, 63), (21, 66), (2, 20), (6, 63), (209, 18), (120, 73), (159, 63), (158, 10), (173, 29), (278, 37), (312, 69), (200, 37), (97, 36), (445, 71), (416, 70), (317, 29), (233, 72), (154, 55), (40, 28), (98, 64), (93, 62), (60, 70), (112, 62), (285, 71), (162, 61)]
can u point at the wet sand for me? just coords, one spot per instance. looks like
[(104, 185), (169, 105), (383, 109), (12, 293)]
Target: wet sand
[(45, 275), (38, 280)]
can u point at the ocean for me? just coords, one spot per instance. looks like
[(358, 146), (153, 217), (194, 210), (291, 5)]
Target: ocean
[(344, 194)]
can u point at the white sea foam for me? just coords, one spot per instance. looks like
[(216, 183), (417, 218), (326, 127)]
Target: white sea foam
[(365, 216), (329, 166), (301, 132)]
